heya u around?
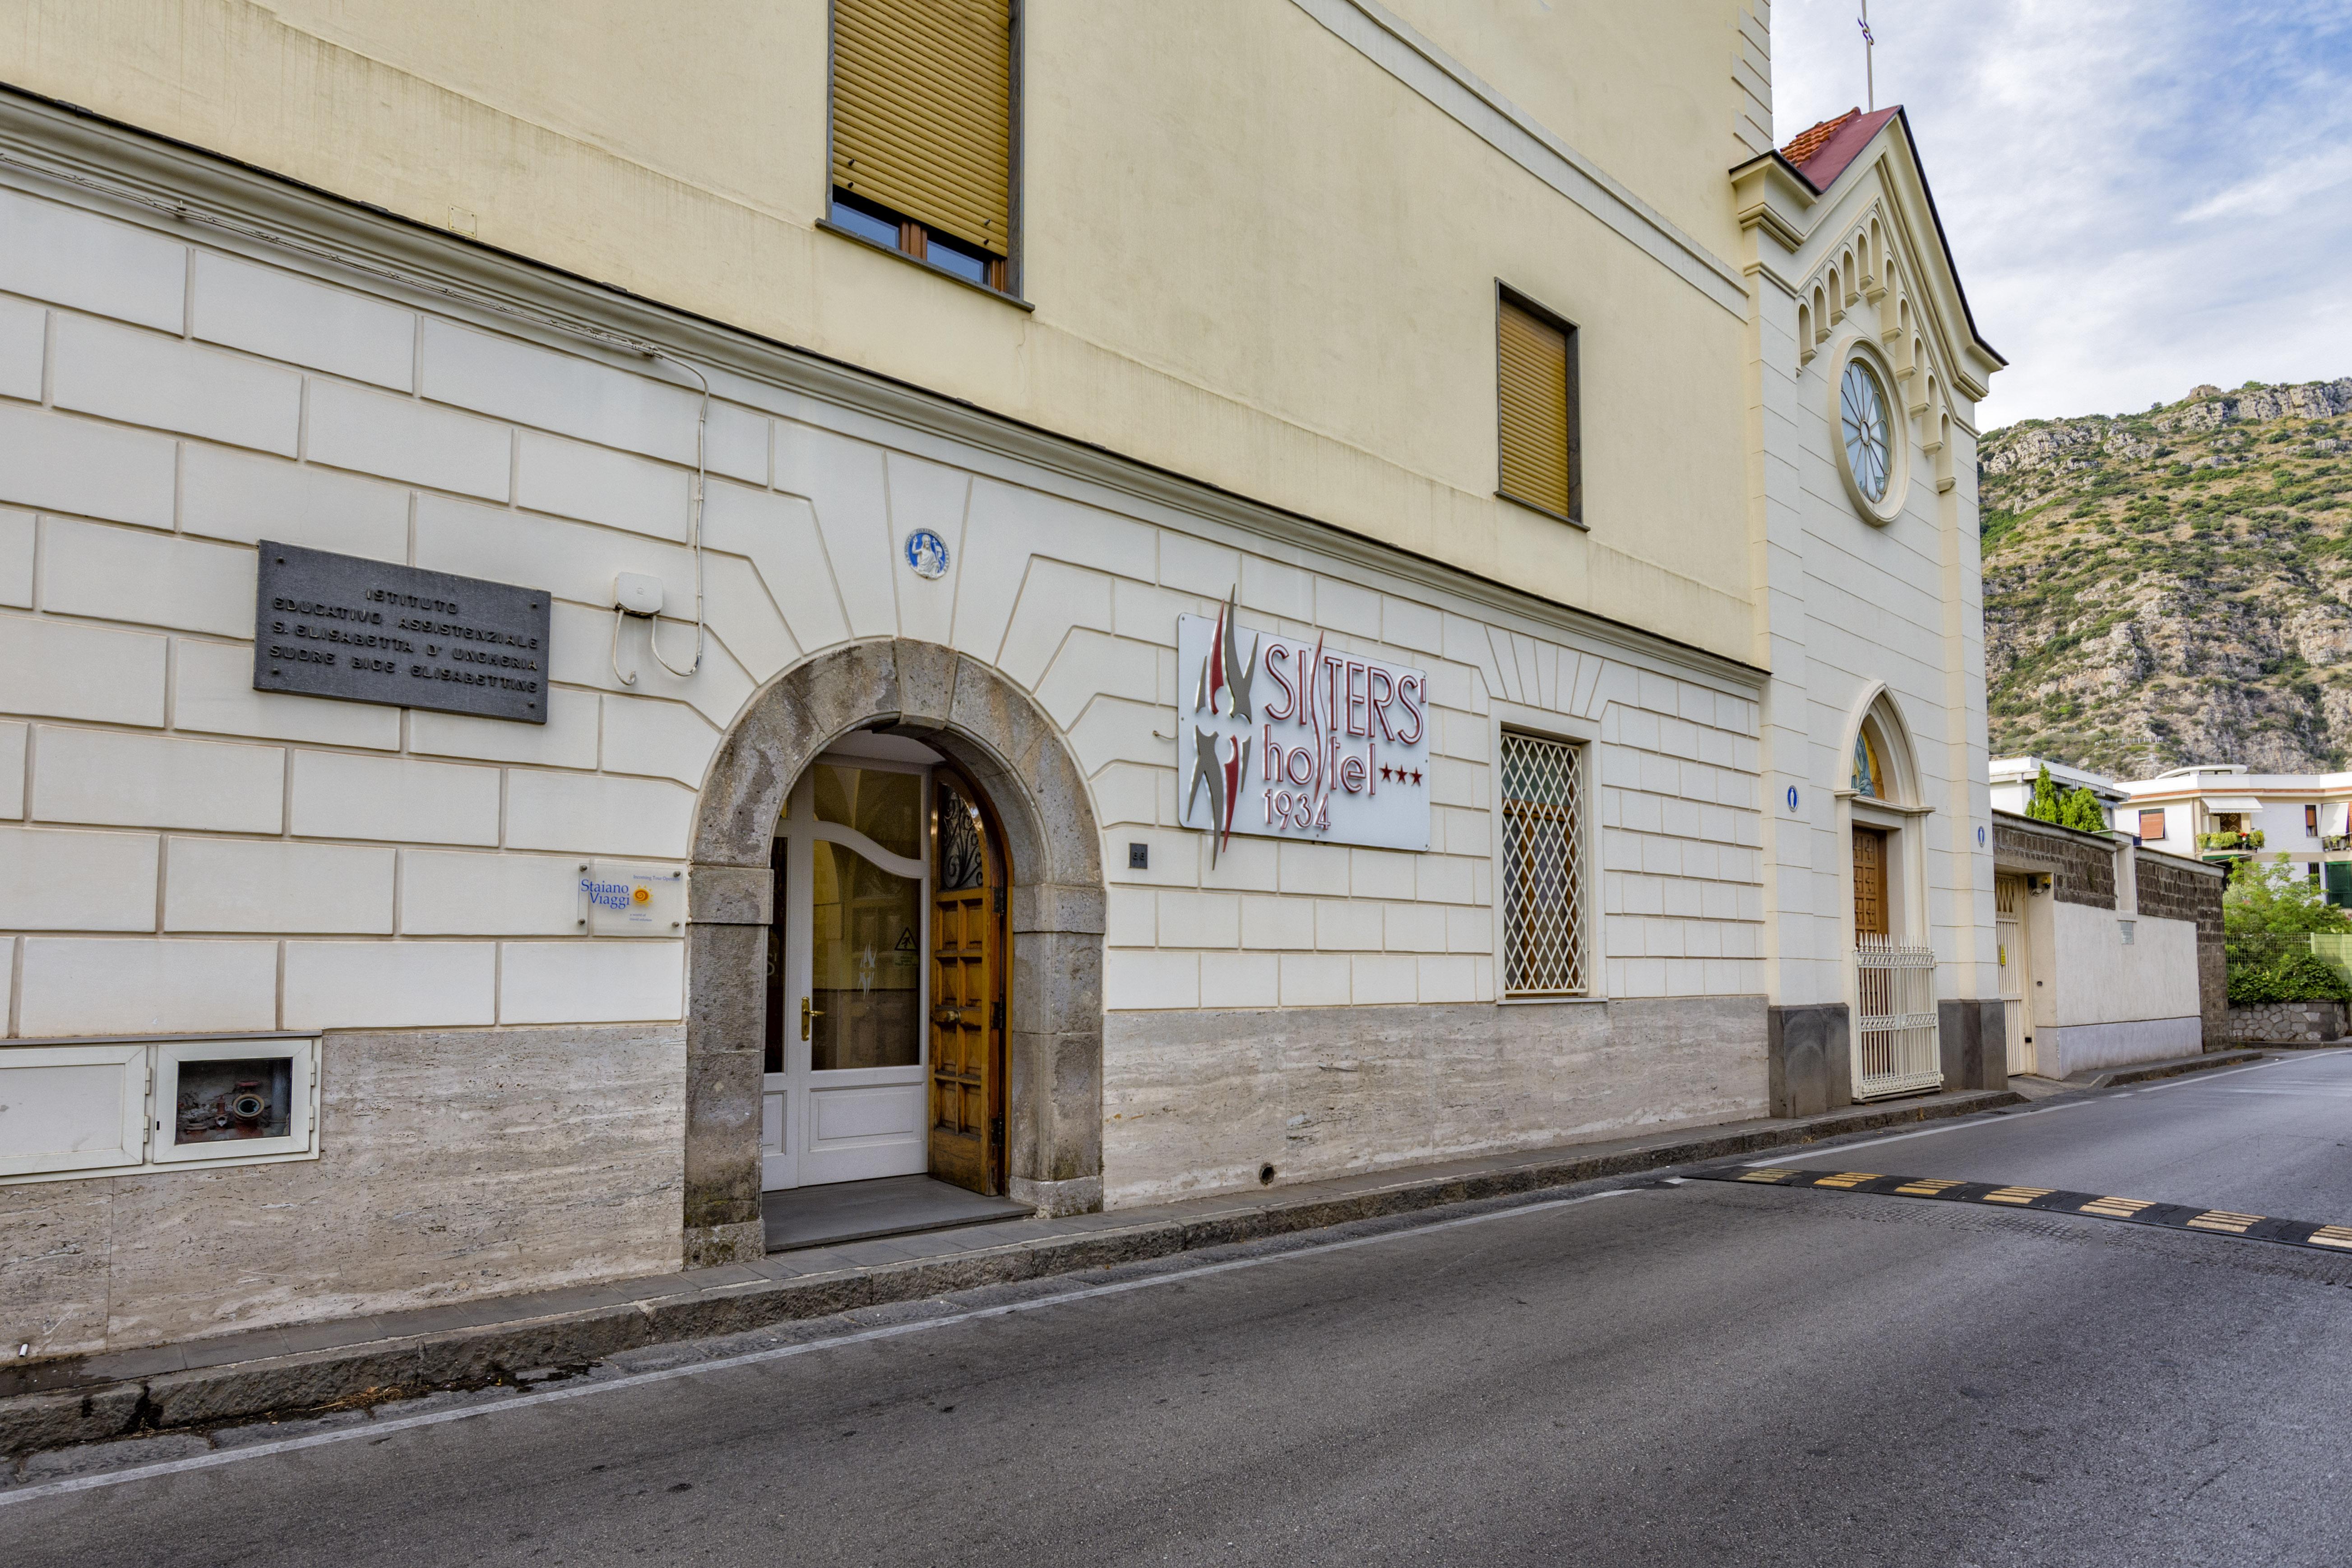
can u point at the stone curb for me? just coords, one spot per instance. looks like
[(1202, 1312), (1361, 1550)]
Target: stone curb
[(379, 1371), (2167, 1069)]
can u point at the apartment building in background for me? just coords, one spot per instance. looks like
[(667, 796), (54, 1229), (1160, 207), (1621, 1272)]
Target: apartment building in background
[(2224, 812), (619, 617)]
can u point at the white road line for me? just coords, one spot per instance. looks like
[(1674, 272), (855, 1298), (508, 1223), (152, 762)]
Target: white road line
[(752, 1358), (1923, 1132), (2199, 1081), (2185, 1081)]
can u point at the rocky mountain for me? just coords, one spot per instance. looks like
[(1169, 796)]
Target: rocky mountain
[(2174, 586)]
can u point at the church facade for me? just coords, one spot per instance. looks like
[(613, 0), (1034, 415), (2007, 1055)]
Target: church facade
[(585, 659)]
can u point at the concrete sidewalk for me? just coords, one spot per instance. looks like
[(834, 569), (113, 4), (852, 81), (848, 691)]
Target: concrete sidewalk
[(365, 1361)]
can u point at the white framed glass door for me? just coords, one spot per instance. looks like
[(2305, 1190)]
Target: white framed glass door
[(845, 1095)]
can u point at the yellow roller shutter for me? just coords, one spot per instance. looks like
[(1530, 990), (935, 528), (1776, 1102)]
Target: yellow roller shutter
[(1533, 362), (922, 111)]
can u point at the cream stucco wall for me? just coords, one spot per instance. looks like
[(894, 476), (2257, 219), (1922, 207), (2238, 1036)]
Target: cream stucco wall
[(2098, 978), (1258, 255)]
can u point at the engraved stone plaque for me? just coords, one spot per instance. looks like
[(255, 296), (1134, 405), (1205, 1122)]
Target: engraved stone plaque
[(367, 631)]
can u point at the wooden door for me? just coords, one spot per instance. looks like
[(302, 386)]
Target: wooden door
[(1869, 882), (968, 976)]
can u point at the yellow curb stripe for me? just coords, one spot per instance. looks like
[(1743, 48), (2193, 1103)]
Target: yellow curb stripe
[(1847, 1179), (1767, 1175), (2115, 1208), (2338, 1235), (1927, 1187)]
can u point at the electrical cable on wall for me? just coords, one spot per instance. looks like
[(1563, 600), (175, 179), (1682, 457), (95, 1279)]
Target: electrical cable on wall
[(694, 527)]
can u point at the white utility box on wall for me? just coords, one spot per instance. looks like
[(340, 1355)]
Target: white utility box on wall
[(102, 1108)]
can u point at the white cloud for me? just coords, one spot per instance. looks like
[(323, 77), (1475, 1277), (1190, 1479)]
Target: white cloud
[(2139, 196)]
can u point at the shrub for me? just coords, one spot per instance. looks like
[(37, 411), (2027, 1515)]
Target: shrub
[(2287, 977), (2267, 914)]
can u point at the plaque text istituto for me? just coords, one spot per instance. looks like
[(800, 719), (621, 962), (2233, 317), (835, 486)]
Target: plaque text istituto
[(336, 626)]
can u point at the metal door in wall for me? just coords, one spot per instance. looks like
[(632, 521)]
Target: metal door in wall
[(2008, 933), (843, 1098), (967, 1011)]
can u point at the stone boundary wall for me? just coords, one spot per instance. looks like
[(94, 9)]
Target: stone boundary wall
[(2299, 1021), (2081, 865)]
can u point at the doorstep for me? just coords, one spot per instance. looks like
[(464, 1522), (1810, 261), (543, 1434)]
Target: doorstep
[(838, 1212), (348, 1362)]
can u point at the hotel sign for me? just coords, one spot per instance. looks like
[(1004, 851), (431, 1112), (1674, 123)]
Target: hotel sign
[(339, 626), (1282, 738)]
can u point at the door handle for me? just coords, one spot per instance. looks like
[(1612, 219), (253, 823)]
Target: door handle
[(945, 1017), (808, 1010)]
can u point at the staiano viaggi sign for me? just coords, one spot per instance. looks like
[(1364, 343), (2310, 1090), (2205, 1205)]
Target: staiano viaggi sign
[(1284, 738)]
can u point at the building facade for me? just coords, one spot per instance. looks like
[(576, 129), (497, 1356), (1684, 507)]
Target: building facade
[(2224, 812), (595, 634), (2014, 780)]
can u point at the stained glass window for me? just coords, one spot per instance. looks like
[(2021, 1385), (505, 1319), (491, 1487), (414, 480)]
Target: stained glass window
[(1869, 778)]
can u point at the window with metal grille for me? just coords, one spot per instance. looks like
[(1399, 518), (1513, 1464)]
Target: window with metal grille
[(922, 132), (1543, 868), (1536, 416)]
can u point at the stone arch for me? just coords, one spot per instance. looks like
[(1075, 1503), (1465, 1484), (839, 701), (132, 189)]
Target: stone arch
[(968, 711), (1877, 715)]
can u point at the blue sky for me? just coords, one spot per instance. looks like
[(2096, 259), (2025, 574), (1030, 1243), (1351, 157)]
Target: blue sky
[(2141, 197)]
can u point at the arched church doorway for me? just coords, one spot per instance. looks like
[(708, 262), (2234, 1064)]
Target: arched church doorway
[(1892, 989)]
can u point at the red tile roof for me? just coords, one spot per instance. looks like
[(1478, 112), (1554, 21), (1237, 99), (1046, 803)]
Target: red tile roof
[(1808, 141), (1820, 152)]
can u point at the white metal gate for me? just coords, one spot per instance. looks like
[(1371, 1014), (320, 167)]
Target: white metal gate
[(1896, 1047)]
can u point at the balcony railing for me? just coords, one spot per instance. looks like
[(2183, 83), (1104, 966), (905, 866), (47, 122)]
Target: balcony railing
[(2238, 842)]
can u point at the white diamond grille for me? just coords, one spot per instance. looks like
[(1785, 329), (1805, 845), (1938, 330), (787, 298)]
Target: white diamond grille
[(1543, 866)]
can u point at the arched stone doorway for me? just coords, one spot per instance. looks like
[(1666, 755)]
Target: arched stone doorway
[(1054, 1048)]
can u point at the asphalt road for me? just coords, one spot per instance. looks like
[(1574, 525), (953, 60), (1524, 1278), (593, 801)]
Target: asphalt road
[(1672, 1374)]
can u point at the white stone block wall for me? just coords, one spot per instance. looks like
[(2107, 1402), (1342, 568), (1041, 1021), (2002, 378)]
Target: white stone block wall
[(1852, 606), (249, 860)]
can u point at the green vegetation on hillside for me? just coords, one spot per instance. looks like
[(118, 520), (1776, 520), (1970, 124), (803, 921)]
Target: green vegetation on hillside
[(2174, 586)]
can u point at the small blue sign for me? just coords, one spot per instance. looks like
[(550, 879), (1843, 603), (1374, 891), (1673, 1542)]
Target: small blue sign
[(1793, 797), (1979, 837), (927, 553)]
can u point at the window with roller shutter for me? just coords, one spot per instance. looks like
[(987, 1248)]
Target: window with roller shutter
[(922, 132), (1535, 418)]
